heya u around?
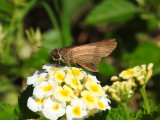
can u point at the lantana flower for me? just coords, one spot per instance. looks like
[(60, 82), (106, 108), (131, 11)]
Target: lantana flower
[(66, 92), (103, 103), (95, 88), (37, 78), (53, 109), (58, 76), (35, 104), (92, 78), (89, 99), (128, 80), (73, 82), (45, 89), (78, 73), (77, 110)]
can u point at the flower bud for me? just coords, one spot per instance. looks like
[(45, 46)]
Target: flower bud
[(150, 66), (115, 78)]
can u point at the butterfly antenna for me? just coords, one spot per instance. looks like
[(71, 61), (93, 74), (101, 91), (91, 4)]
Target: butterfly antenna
[(44, 48)]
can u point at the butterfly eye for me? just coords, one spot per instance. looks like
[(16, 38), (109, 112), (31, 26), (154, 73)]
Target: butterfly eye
[(56, 56)]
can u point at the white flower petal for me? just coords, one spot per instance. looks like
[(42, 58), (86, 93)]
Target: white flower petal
[(32, 79), (76, 112), (48, 66), (35, 104), (78, 102), (32, 105), (93, 78), (48, 114), (39, 72), (105, 101), (38, 92)]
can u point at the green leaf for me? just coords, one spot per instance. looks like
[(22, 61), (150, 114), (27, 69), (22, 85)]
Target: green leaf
[(52, 39), (43, 118), (98, 116), (75, 7), (106, 69), (25, 112), (142, 114), (5, 7), (111, 11), (4, 17), (144, 54), (7, 107), (116, 114), (7, 111), (4, 115)]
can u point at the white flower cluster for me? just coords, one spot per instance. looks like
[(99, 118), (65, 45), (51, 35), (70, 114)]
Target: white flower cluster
[(66, 92)]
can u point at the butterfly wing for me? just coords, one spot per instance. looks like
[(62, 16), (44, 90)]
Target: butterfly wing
[(93, 52)]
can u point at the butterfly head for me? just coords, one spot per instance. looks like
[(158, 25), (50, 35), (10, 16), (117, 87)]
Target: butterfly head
[(56, 55)]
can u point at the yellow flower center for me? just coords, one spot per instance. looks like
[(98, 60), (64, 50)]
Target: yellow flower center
[(53, 69), (40, 79), (89, 98), (55, 107), (76, 111), (89, 79), (75, 72), (94, 88), (64, 93), (74, 82), (129, 72), (47, 88), (100, 104), (40, 101), (60, 76)]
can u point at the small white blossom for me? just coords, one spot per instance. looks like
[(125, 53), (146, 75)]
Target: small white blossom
[(73, 82), (53, 110), (78, 73), (89, 99), (37, 78), (92, 78), (77, 110), (35, 104), (95, 88), (103, 103), (64, 93), (45, 89)]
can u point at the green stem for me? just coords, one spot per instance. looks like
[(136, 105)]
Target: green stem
[(53, 19), (57, 8), (51, 15), (144, 95), (125, 110)]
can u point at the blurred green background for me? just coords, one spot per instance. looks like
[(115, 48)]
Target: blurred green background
[(25, 24)]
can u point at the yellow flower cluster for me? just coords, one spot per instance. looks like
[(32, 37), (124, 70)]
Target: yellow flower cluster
[(128, 80), (66, 91)]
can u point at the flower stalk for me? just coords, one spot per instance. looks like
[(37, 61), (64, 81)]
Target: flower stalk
[(144, 95), (124, 107), (127, 82)]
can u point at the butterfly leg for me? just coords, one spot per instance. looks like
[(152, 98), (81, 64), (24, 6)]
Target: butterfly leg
[(53, 67), (72, 72)]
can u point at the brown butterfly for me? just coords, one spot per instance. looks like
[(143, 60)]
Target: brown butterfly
[(88, 55)]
